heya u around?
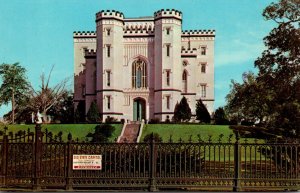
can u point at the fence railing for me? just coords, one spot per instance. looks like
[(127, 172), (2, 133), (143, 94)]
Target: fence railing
[(40, 163)]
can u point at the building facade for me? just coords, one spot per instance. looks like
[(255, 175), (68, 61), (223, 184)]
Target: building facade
[(139, 68)]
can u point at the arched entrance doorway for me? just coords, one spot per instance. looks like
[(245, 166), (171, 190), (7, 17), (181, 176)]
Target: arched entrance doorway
[(139, 109)]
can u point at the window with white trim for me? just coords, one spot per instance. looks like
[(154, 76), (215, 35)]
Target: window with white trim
[(108, 77), (203, 90), (108, 30), (203, 68), (139, 74), (168, 29), (108, 49), (168, 101), (203, 50), (184, 81), (168, 49), (108, 101), (168, 74)]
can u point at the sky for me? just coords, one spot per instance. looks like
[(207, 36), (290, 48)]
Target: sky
[(39, 33)]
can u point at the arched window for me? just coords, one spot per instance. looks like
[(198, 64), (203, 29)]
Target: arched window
[(184, 81), (139, 74)]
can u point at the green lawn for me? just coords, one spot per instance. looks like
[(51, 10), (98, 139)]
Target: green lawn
[(184, 131), (77, 130)]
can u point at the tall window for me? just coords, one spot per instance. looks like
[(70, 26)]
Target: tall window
[(168, 49), (168, 30), (203, 68), (139, 74), (203, 90), (108, 77), (203, 50), (184, 81), (108, 102), (168, 102), (108, 50), (108, 31), (168, 77)]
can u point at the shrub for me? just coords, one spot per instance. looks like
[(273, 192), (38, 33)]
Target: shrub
[(102, 133), (93, 114), (182, 111), (220, 117), (122, 121), (111, 120), (148, 138), (202, 113), (80, 112)]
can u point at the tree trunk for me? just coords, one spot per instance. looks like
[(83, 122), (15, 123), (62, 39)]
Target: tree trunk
[(13, 106), (45, 118)]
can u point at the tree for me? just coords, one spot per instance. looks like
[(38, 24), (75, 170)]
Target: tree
[(279, 66), (274, 92), (182, 111), (63, 111), (14, 85), (176, 117), (202, 113), (79, 114), (102, 133), (247, 101), (220, 117), (45, 98), (93, 114)]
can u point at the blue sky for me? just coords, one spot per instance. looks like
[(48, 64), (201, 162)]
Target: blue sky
[(38, 33)]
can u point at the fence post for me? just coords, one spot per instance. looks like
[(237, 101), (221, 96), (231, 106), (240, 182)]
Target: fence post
[(237, 163), (152, 187), (38, 155), (4, 159), (69, 163)]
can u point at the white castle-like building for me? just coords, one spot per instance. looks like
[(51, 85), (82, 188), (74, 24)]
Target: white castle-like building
[(139, 68)]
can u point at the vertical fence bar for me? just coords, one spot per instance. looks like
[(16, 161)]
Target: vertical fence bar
[(152, 187), (237, 163), (38, 153), (69, 163), (4, 159)]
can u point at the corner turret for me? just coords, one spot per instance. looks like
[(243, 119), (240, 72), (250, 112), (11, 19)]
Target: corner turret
[(168, 13), (109, 14)]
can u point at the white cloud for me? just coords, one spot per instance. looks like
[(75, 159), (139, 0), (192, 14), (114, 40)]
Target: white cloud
[(237, 52)]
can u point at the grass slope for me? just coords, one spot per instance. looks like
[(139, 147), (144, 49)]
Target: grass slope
[(77, 130), (184, 131)]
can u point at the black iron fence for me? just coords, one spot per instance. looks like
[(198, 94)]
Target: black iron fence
[(37, 162)]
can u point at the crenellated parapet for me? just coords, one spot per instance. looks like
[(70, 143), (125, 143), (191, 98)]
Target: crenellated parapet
[(188, 52), (168, 13), (84, 34), (89, 53), (187, 33), (109, 14), (139, 30)]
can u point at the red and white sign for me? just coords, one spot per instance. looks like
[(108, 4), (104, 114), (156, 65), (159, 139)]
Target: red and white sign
[(87, 162)]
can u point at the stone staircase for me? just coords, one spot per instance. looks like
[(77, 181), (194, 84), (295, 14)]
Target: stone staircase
[(130, 133)]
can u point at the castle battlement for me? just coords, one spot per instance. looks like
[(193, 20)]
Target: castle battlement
[(89, 53), (189, 51), (198, 32), (138, 68), (138, 26), (138, 29), (138, 32), (84, 34), (109, 14), (168, 13)]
